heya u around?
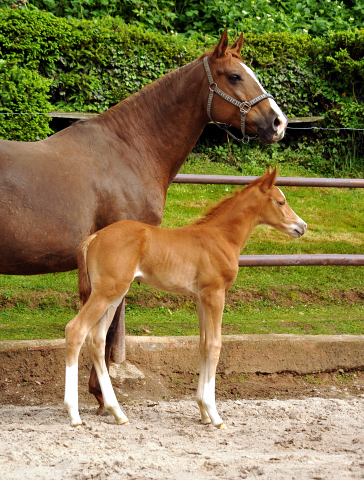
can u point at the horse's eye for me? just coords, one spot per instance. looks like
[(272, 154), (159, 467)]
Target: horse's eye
[(281, 203), (234, 78)]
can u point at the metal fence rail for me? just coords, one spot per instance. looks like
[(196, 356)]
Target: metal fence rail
[(299, 260), (280, 182), (284, 260)]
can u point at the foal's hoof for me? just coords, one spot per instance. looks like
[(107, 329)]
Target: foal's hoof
[(222, 426), (122, 421), (206, 421), (76, 423)]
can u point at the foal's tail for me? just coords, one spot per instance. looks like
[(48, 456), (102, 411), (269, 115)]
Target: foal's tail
[(84, 284)]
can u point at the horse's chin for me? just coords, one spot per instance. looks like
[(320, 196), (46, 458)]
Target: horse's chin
[(268, 139)]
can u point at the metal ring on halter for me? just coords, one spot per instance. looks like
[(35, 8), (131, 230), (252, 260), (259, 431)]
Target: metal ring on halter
[(247, 106), (244, 107)]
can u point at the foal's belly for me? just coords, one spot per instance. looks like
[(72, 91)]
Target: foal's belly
[(173, 282)]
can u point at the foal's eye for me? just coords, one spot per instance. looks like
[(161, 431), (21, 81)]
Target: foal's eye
[(281, 203), (234, 78)]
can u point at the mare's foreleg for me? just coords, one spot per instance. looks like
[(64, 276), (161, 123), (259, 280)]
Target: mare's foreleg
[(114, 341), (96, 345), (76, 332), (210, 306)]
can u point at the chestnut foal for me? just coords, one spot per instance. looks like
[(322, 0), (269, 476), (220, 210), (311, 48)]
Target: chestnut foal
[(199, 259)]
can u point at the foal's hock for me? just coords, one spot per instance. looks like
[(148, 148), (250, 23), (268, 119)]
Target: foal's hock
[(200, 259)]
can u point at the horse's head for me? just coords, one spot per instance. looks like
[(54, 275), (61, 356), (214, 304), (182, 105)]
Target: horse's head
[(275, 210), (230, 76)]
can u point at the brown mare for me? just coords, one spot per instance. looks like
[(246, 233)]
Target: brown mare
[(119, 165), (199, 259)]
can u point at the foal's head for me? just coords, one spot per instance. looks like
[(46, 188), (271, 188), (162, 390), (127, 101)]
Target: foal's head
[(236, 79), (275, 210)]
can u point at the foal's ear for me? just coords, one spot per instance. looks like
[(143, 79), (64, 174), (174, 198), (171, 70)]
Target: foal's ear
[(270, 179), (220, 50), (238, 44)]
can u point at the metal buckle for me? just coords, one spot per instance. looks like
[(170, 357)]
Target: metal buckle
[(211, 85), (245, 108)]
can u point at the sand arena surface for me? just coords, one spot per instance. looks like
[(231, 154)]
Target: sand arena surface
[(313, 438)]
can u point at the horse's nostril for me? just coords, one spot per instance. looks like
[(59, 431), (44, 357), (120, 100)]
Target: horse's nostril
[(276, 123)]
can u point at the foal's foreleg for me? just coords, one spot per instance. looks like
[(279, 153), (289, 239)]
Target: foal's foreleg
[(209, 307), (205, 418), (96, 345)]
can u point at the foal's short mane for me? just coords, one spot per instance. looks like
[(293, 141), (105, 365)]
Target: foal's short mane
[(215, 209), (225, 203)]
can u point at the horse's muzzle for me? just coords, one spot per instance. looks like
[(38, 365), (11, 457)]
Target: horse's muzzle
[(280, 124), (275, 131)]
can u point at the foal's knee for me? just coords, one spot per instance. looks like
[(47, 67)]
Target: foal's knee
[(210, 349)]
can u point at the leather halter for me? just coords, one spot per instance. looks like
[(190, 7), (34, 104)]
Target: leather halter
[(244, 107)]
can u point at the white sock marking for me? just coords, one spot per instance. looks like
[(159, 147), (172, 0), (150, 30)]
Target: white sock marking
[(71, 394), (110, 400), (208, 401)]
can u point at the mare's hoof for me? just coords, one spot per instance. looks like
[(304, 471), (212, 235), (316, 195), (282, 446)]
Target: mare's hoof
[(222, 426), (101, 411)]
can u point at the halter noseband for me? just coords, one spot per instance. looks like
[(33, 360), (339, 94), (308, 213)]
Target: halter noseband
[(244, 107)]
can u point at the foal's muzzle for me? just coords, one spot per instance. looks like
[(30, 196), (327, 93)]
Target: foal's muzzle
[(298, 229)]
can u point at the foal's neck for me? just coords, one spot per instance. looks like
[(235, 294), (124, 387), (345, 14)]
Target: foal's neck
[(236, 223)]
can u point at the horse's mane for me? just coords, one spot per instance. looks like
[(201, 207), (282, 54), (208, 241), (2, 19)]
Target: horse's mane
[(156, 85), (233, 54)]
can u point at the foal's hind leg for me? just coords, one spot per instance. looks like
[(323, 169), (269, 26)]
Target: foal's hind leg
[(96, 344), (93, 385), (76, 332), (210, 308)]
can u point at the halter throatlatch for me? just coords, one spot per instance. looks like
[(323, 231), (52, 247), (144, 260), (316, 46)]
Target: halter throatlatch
[(244, 107)]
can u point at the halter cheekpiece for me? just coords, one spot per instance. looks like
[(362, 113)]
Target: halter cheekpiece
[(244, 107)]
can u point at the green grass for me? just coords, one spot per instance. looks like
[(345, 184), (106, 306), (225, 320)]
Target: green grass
[(305, 300)]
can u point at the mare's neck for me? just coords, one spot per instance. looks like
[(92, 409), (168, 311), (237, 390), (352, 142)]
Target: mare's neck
[(163, 121)]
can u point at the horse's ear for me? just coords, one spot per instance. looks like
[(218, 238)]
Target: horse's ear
[(270, 179), (220, 50), (238, 44)]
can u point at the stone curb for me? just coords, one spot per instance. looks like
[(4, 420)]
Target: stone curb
[(301, 354)]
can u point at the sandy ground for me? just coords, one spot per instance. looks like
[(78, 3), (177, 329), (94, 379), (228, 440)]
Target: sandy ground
[(280, 426), (313, 438)]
